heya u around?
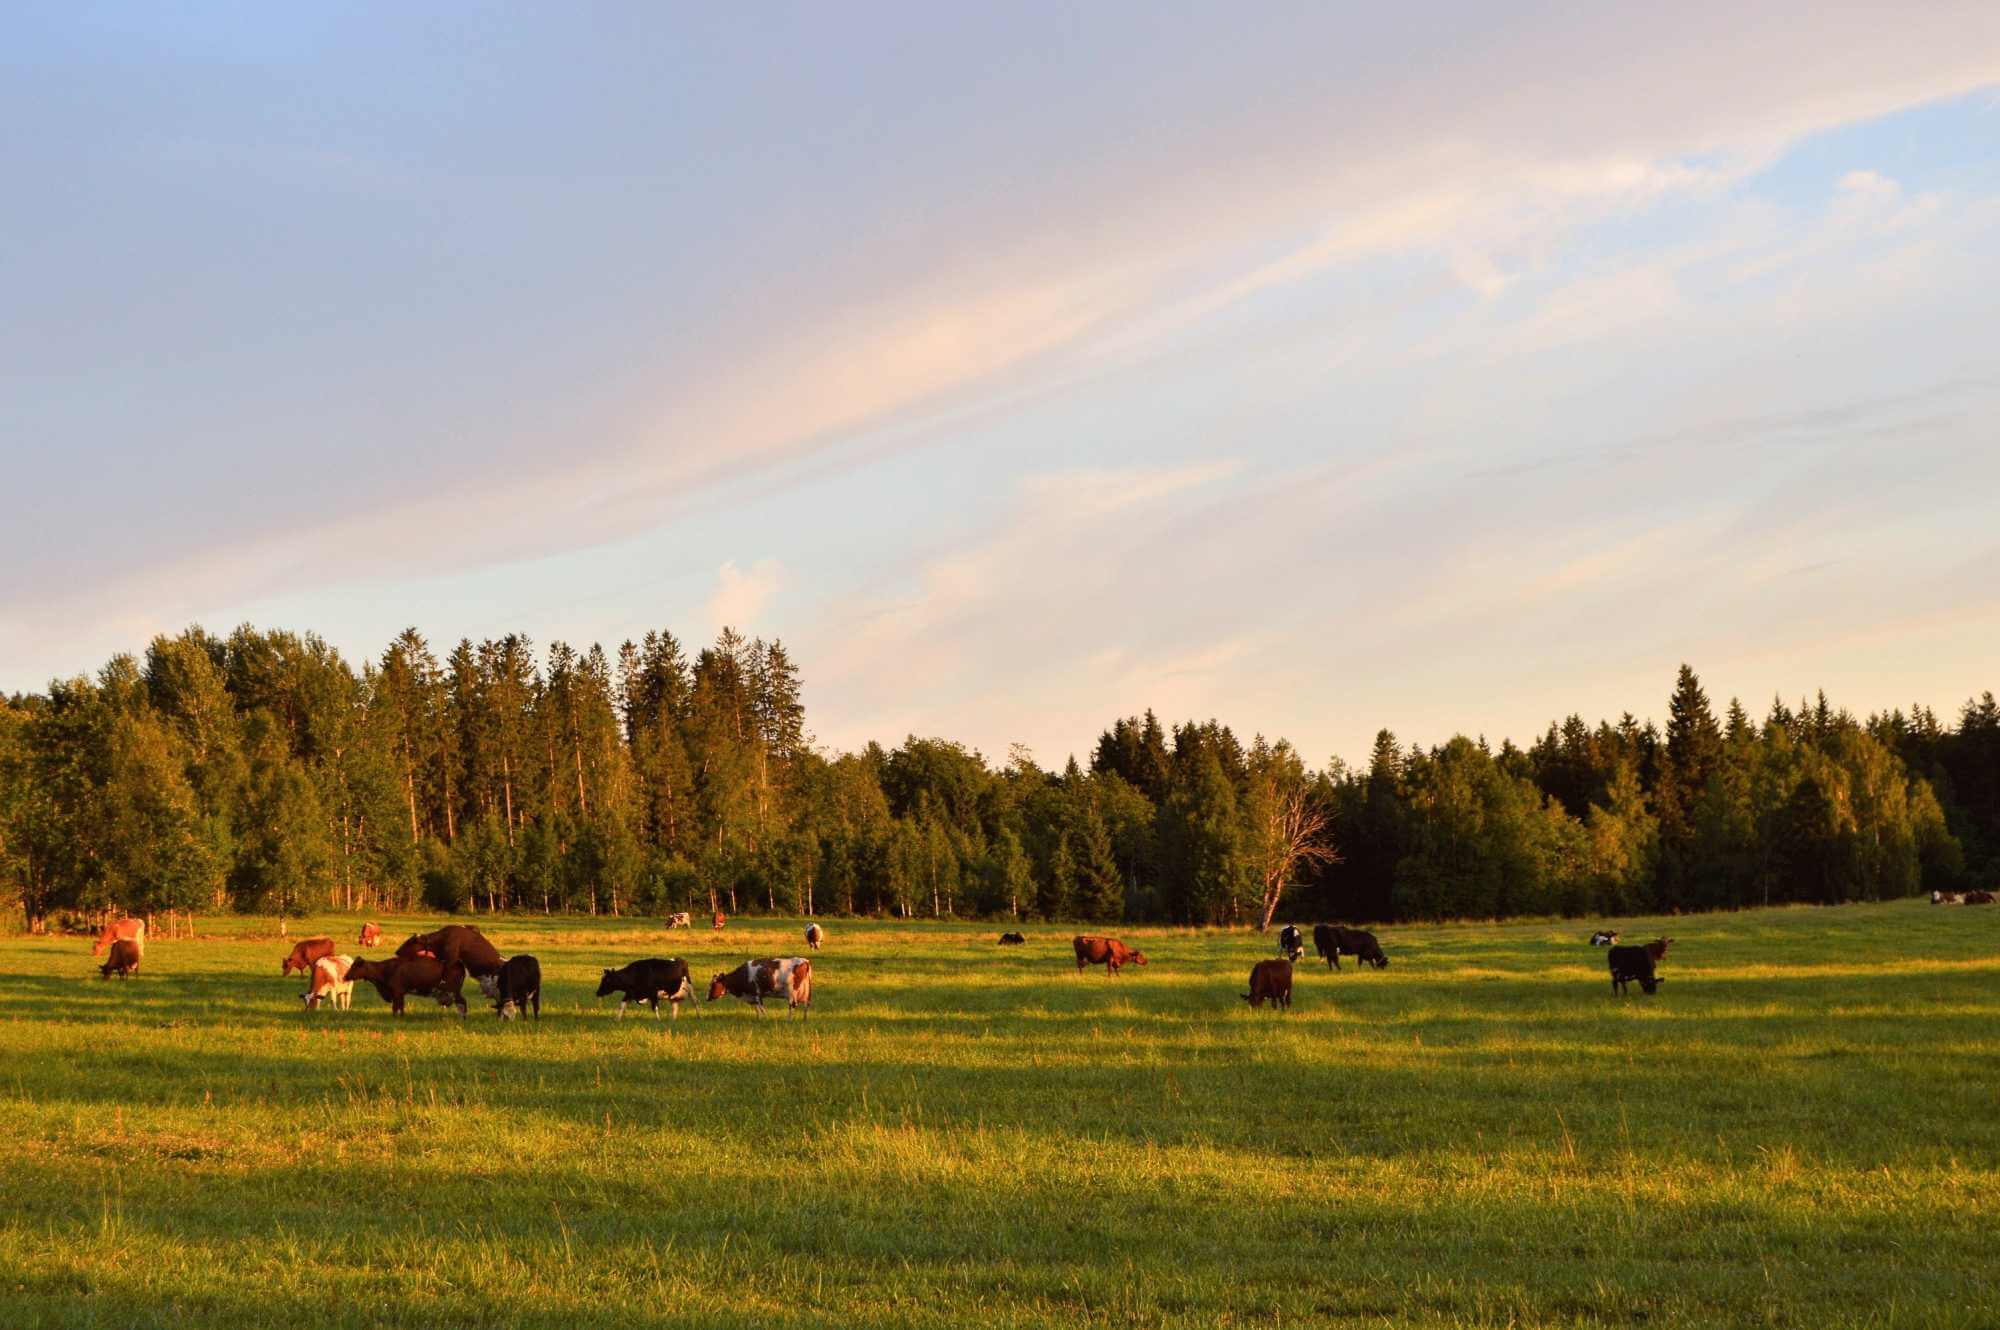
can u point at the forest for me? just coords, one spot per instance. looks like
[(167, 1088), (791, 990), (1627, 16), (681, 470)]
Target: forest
[(262, 772)]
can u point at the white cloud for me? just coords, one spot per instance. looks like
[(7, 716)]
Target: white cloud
[(741, 594)]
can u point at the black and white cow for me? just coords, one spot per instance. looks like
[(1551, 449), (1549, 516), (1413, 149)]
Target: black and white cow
[(681, 920), (1291, 942), (515, 988), (649, 981), (1604, 937), (814, 936)]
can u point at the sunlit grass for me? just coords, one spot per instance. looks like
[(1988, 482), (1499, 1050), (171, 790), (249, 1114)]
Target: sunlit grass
[(1801, 1129)]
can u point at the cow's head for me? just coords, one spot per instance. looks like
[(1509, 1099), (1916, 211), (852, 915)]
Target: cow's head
[(1138, 958), (718, 986), (1650, 983), (605, 986), (508, 1011)]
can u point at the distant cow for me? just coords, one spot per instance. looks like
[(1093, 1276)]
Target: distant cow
[(1604, 938), (515, 987), (787, 977), (1979, 898), (1270, 981), (129, 929), (1291, 942), (720, 919), (814, 936), (1947, 898), (681, 920), (1629, 963), (649, 981), (400, 976), (1011, 939), (1332, 941), (329, 983), (371, 935), (123, 960), (305, 953), (1106, 951), (460, 948)]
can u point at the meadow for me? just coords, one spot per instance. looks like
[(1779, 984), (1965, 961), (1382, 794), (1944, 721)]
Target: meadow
[(1801, 1129)]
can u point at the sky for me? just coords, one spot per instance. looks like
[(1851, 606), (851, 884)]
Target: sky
[(1315, 367)]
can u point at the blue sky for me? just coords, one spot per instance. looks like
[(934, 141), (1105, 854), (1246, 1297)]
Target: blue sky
[(1313, 367)]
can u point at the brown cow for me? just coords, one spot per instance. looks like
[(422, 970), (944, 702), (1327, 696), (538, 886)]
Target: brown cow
[(124, 959), (720, 918), (460, 948), (371, 934), (1979, 898), (129, 929), (400, 976), (1106, 951), (306, 952), (1270, 981)]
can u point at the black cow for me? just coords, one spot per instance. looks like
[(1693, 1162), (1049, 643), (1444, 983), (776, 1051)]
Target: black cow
[(648, 981), (515, 988), (1291, 943), (1011, 939), (1629, 963), (1332, 941)]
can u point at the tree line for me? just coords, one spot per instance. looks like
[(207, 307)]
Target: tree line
[(262, 772)]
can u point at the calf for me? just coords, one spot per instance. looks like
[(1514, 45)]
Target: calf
[(648, 981), (1011, 939), (1106, 951), (400, 976), (788, 977), (1270, 981), (308, 951), (681, 920), (1332, 941), (371, 935), (123, 960), (1629, 963), (518, 984), (1604, 938), (329, 983), (814, 936), (1291, 942)]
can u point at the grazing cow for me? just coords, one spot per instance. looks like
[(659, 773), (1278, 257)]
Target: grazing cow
[(648, 981), (123, 960), (1332, 941), (400, 976), (681, 920), (720, 918), (1011, 939), (518, 984), (1291, 942), (1979, 898), (329, 983), (129, 929), (1270, 981), (1629, 963), (1604, 937), (371, 935), (460, 948), (787, 977), (1106, 951), (305, 953)]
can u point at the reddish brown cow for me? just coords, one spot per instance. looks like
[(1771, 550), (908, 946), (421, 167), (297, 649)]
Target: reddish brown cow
[(720, 918), (1106, 951), (1270, 981), (370, 934), (1657, 948), (306, 952), (460, 948), (129, 929), (124, 959), (400, 976)]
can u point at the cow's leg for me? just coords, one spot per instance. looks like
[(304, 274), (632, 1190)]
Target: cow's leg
[(621, 1008)]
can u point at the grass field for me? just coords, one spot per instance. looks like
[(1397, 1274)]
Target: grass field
[(1803, 1129)]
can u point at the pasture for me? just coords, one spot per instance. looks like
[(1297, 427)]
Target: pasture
[(1800, 1130)]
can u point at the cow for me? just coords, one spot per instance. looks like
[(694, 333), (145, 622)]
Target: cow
[(1629, 963), (1979, 898), (329, 983), (460, 948), (1270, 981), (371, 935), (720, 919), (129, 929), (1332, 941), (123, 960), (1106, 951), (814, 936), (400, 976), (787, 977), (1947, 898), (648, 981), (1291, 942), (681, 920), (515, 987), (1011, 939), (1604, 937), (307, 951)]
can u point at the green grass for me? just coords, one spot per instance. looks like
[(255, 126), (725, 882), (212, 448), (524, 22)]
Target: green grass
[(1801, 1129)]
